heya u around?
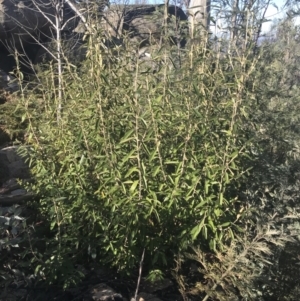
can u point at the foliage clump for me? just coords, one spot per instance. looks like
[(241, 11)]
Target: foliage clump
[(142, 160), (187, 155)]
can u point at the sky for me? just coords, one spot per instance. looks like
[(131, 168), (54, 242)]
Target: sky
[(274, 13)]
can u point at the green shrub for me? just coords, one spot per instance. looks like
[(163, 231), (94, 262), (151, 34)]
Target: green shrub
[(261, 262), (191, 149), (145, 155), (11, 124)]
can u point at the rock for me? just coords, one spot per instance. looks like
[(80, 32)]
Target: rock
[(149, 288), (102, 292), (7, 82), (72, 47), (20, 20), (11, 193), (12, 165), (159, 285), (18, 192), (22, 25), (13, 295), (146, 297), (142, 23), (9, 185)]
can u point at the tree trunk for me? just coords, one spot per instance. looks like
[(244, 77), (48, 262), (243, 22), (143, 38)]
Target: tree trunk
[(199, 11)]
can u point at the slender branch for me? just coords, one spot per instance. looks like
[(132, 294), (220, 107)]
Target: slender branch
[(59, 6), (140, 275), (79, 14), (18, 23), (43, 13)]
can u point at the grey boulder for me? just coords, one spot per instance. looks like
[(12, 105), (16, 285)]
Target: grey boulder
[(12, 165), (27, 20)]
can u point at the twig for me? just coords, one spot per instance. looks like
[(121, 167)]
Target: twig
[(79, 14), (140, 275)]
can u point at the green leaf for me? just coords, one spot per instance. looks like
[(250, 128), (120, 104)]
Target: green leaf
[(226, 178), (23, 118), (127, 137), (53, 224), (156, 171), (220, 199), (212, 244), (212, 225), (231, 233), (224, 225), (203, 202), (130, 171), (204, 231), (217, 212), (133, 186), (197, 229), (152, 155), (37, 269), (127, 157), (234, 154), (206, 185)]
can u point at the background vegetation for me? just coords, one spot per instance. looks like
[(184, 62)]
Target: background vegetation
[(191, 157)]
